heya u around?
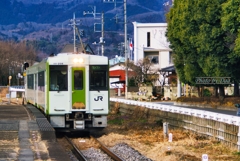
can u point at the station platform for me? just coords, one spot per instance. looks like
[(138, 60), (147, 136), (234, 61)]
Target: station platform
[(26, 135)]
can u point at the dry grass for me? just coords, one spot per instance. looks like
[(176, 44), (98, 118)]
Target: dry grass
[(3, 92), (149, 140), (228, 102)]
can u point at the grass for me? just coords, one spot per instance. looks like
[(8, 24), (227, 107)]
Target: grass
[(115, 121)]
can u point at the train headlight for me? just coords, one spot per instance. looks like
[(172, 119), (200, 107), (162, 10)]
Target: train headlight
[(75, 60), (78, 60)]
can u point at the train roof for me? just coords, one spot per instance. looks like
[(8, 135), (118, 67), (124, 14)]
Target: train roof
[(68, 59)]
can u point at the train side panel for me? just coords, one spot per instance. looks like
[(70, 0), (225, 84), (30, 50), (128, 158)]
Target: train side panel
[(40, 89), (35, 85)]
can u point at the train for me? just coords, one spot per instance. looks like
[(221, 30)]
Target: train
[(72, 90)]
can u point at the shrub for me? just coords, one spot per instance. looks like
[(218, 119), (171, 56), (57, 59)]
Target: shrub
[(206, 93)]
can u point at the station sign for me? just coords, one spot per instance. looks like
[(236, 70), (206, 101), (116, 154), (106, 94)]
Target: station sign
[(213, 80)]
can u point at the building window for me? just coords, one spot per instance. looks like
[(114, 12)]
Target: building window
[(148, 39), (154, 59)]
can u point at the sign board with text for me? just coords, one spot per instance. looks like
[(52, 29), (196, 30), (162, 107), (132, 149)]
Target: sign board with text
[(213, 80)]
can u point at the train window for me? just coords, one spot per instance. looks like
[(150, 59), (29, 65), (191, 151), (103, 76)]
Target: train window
[(78, 79), (58, 78), (41, 83), (30, 81), (98, 77), (41, 79)]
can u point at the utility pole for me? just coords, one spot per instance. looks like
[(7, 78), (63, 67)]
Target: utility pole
[(125, 41), (94, 13), (74, 33), (102, 26), (113, 1), (115, 6), (102, 31), (126, 53), (73, 23)]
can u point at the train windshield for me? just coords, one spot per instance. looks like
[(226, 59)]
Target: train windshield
[(98, 77), (58, 78)]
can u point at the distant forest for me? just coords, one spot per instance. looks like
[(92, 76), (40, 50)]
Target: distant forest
[(15, 12), (46, 25)]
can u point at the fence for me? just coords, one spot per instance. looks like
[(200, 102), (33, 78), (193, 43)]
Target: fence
[(223, 127)]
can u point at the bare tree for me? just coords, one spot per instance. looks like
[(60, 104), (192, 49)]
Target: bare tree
[(162, 79), (13, 55), (143, 72)]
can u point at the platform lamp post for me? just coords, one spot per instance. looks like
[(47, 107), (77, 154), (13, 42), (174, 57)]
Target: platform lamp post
[(9, 80), (9, 93)]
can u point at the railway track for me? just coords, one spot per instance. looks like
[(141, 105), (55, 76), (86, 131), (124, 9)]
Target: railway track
[(92, 149), (108, 151), (84, 155), (78, 154)]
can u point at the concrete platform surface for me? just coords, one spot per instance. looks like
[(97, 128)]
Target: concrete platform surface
[(25, 135)]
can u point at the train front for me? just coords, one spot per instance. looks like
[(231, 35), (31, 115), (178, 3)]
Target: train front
[(78, 96)]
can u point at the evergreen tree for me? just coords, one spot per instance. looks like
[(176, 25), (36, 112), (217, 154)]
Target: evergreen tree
[(230, 24), (198, 40)]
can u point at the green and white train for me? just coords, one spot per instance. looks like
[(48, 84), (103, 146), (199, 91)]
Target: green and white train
[(72, 90)]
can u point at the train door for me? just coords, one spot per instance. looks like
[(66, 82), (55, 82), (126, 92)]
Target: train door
[(78, 88), (58, 89), (35, 89)]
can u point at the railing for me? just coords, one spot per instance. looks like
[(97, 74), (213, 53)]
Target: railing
[(225, 128), (229, 119), (16, 89)]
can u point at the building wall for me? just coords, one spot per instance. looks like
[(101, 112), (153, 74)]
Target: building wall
[(117, 75), (149, 38), (150, 41), (165, 59)]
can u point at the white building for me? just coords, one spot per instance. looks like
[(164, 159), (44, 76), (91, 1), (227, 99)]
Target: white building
[(150, 41)]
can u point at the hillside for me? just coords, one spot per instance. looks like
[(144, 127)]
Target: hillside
[(49, 20)]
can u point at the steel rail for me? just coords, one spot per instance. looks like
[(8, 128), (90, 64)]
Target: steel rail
[(76, 151), (108, 151)]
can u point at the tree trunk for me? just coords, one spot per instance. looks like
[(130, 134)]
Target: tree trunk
[(236, 88), (201, 88), (221, 91), (199, 91), (215, 91)]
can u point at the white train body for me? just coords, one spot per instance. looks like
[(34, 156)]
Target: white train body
[(71, 89)]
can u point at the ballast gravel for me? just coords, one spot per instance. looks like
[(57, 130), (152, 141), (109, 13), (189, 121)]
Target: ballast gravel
[(123, 150)]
